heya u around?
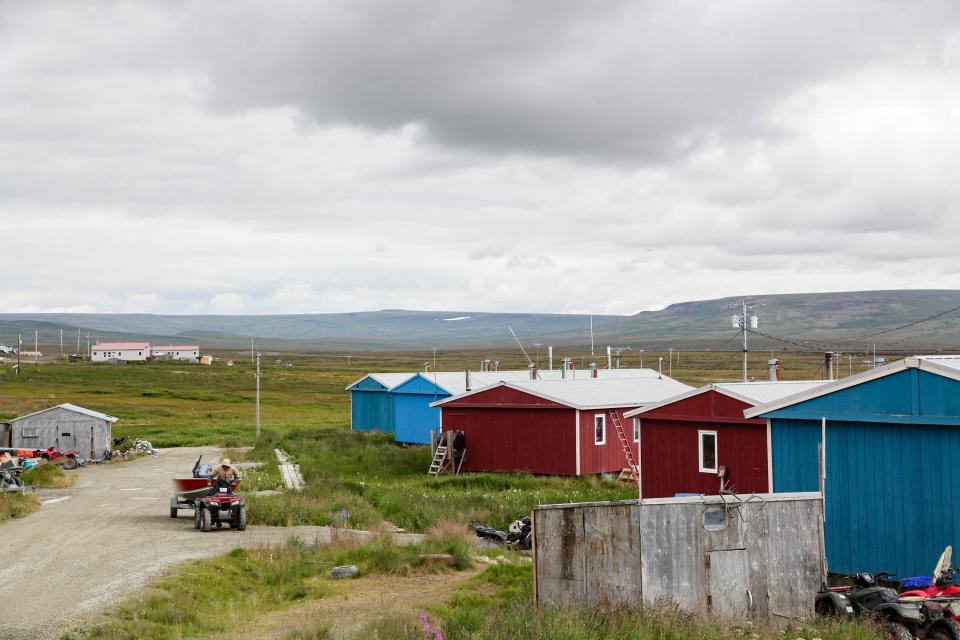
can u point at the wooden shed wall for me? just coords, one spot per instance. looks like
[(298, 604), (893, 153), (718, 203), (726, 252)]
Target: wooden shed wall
[(621, 554), (608, 457), (66, 430)]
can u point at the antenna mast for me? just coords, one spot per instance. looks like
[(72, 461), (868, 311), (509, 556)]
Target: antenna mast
[(740, 321), (529, 361)]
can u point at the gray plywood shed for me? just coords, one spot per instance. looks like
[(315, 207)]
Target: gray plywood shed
[(759, 557), (66, 427)]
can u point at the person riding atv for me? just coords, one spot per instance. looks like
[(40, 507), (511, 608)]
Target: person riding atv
[(224, 474)]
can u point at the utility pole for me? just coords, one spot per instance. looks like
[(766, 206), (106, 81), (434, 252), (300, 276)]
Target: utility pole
[(78, 341), (36, 349), (88, 345), (671, 363), (740, 322), (61, 344), (251, 351), (641, 357), (19, 349), (258, 396)]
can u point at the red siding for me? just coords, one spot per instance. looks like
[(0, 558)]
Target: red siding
[(535, 440), (503, 396), (609, 457), (670, 460)]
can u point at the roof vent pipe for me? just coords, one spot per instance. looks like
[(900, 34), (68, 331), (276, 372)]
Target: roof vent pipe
[(550, 357), (532, 368), (609, 359), (496, 365), (660, 366), (774, 365), (593, 370), (828, 365), (426, 366), (468, 379)]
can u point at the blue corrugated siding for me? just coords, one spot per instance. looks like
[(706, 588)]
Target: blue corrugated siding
[(371, 411), (889, 496), (414, 417)]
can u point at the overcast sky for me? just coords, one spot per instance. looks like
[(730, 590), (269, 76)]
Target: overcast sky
[(295, 157)]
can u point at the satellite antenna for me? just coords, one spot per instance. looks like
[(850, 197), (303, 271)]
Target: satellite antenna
[(529, 361)]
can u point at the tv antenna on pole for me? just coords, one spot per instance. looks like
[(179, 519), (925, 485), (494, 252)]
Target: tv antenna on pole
[(745, 323)]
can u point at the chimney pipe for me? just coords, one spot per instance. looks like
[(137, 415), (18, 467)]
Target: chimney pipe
[(468, 379), (828, 365), (660, 366), (550, 357), (774, 369), (609, 359), (593, 370), (426, 366), (533, 371)]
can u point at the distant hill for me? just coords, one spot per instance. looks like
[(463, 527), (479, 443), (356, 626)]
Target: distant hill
[(909, 320), (845, 321), (388, 329)]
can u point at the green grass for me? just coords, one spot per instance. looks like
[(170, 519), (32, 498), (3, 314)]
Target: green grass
[(48, 476), (359, 480), (220, 595), (17, 505)]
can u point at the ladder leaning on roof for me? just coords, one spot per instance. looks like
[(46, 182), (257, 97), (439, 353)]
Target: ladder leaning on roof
[(630, 473)]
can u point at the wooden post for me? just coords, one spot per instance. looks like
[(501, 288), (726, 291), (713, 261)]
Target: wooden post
[(433, 443)]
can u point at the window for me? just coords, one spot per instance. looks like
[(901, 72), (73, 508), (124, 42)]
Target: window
[(708, 451), (30, 432), (636, 429), (599, 429)]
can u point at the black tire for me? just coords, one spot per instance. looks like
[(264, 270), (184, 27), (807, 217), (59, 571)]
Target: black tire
[(896, 631), (197, 516), (946, 629), (70, 463), (346, 571), (206, 519), (174, 507), (242, 522)]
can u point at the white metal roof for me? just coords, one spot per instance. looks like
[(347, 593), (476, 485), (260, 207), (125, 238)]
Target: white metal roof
[(388, 380), (939, 365), (594, 393), (759, 392), (71, 407), (583, 374), (455, 382), (120, 346)]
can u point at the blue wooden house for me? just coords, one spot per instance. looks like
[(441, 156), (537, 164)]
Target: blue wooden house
[(892, 501), (371, 405)]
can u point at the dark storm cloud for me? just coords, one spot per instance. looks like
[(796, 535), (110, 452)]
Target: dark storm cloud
[(636, 81)]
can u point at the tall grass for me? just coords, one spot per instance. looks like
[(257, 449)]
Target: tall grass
[(48, 476), (17, 505)]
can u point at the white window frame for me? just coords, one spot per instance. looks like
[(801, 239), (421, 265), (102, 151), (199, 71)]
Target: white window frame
[(603, 419), (636, 429), (716, 450)]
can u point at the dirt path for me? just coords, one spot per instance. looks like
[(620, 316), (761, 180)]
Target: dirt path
[(358, 602), (110, 534)]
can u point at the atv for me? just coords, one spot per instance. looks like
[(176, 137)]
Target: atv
[(219, 508), (904, 619)]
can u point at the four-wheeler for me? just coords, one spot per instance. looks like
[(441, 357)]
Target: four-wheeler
[(186, 491), (904, 619), (67, 460), (222, 507)]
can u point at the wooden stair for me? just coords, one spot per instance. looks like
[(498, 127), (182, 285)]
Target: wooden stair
[(439, 461), (630, 473)]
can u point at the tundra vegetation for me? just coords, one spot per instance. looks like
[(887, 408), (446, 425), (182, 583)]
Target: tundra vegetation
[(355, 480)]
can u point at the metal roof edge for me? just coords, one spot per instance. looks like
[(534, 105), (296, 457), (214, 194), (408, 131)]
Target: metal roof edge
[(668, 401), (831, 387), (70, 407)]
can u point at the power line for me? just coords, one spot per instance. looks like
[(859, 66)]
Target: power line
[(905, 326)]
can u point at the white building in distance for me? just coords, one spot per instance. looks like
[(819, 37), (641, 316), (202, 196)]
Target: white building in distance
[(129, 351), (189, 352)]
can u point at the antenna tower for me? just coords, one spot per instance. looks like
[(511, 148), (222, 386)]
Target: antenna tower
[(745, 322)]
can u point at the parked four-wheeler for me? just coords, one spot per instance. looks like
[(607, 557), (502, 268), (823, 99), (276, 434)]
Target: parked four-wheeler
[(904, 619), (938, 587), (67, 460), (222, 507)]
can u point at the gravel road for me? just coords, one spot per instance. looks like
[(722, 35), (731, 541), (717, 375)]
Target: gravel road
[(90, 545)]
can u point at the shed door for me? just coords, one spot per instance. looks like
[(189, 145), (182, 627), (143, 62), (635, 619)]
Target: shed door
[(728, 573), (66, 436)]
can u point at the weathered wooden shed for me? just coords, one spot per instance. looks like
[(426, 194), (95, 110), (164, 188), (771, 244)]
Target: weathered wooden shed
[(760, 559), (371, 405), (558, 427), (66, 427), (684, 441), (892, 435)]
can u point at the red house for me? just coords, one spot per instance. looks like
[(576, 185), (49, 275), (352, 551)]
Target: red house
[(686, 439), (558, 427)]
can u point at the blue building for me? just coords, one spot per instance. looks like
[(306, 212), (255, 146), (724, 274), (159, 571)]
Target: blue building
[(371, 405), (892, 443), (413, 415)]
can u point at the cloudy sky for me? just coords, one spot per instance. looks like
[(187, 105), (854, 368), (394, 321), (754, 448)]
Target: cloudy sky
[(285, 156)]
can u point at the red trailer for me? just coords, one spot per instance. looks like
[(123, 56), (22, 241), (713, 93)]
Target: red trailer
[(686, 440), (557, 427)]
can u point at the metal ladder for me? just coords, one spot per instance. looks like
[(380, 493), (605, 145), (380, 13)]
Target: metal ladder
[(439, 458), (631, 472)]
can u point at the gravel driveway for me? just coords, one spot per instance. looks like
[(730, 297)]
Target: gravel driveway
[(110, 534)]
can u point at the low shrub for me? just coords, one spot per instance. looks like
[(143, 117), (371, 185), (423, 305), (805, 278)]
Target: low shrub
[(17, 505), (48, 476)]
